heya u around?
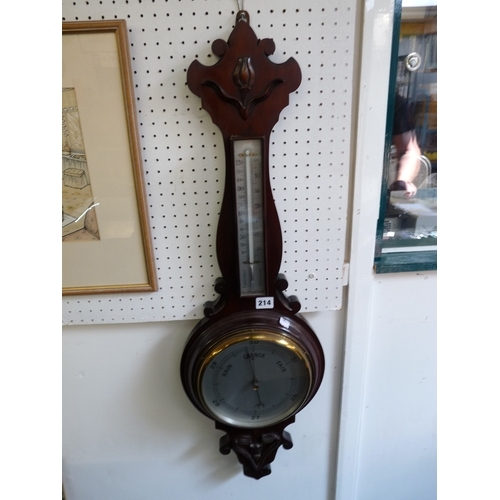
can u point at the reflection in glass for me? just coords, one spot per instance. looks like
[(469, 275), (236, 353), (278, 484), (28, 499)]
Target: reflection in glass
[(410, 219)]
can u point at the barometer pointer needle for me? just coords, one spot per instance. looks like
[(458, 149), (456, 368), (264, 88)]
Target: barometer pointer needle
[(255, 382), (252, 368)]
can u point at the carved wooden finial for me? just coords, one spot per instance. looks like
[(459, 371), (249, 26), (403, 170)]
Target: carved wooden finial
[(237, 90)]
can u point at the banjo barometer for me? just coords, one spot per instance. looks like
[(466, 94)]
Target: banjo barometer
[(252, 363)]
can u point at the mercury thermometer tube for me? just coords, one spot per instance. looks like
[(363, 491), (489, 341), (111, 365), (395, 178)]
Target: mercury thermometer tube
[(248, 174)]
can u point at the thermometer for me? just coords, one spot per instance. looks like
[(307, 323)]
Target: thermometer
[(250, 220)]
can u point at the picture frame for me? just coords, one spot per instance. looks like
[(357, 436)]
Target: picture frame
[(106, 240)]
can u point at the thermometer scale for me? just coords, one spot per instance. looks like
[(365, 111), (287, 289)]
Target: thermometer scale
[(250, 210)]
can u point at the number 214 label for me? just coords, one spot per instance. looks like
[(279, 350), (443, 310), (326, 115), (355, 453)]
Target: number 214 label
[(264, 302)]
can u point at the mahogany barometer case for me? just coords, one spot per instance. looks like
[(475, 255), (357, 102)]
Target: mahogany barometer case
[(253, 362)]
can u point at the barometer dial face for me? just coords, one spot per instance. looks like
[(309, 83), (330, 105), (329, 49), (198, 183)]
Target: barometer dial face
[(255, 379), (248, 175)]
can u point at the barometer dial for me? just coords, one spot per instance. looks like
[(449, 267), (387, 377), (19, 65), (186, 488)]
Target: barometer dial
[(255, 379)]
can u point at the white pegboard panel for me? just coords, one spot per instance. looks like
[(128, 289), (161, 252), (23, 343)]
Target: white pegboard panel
[(183, 156)]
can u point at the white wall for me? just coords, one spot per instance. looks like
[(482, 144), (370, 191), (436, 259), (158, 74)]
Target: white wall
[(130, 432), (397, 458)]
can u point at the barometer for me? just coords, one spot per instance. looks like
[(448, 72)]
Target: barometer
[(253, 362)]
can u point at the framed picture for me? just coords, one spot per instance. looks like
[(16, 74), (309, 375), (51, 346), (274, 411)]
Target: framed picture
[(106, 242)]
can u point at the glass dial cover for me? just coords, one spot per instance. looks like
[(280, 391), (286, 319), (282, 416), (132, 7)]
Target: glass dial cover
[(255, 379)]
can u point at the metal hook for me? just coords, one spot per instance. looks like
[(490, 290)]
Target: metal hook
[(242, 14)]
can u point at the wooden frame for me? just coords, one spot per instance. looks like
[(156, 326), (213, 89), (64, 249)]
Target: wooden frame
[(106, 237)]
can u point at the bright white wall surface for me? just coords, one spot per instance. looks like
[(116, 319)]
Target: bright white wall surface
[(130, 432), (397, 458)]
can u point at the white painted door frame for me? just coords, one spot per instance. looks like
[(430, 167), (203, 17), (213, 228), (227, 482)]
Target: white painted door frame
[(374, 80)]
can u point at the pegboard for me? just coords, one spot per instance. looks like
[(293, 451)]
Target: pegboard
[(183, 154)]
